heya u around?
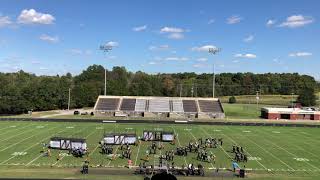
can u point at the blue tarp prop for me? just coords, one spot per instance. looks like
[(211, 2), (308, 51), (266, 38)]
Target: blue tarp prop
[(235, 165)]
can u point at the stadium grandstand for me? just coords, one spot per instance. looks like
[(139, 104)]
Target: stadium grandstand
[(149, 106)]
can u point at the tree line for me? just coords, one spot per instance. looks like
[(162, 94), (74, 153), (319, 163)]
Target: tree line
[(21, 91)]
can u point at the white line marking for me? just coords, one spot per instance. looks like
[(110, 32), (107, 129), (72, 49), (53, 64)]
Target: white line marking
[(24, 140), (136, 159), (25, 150), (75, 133), (220, 146), (177, 135), (245, 151), (16, 129), (270, 153), (196, 140)]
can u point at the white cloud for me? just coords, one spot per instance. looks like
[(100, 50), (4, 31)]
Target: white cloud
[(35, 62), (270, 22), (31, 16), (112, 57), (295, 21), (249, 38), (80, 52), (51, 39), (204, 48), (202, 59), (176, 59), (43, 68), (152, 63), (211, 21), (172, 30), (176, 36), (112, 44), (249, 56), (160, 47), (140, 28), (5, 21), (300, 54), (199, 65), (234, 19)]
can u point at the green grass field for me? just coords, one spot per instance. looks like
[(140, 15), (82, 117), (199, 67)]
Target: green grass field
[(282, 100), (273, 151)]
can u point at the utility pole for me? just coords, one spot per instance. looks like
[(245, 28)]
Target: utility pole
[(69, 99), (257, 98), (192, 91), (105, 81), (292, 101), (214, 51), (213, 81)]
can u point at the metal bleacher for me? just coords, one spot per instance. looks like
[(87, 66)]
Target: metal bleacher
[(128, 104), (140, 105), (190, 106), (159, 105), (177, 106), (148, 106), (107, 104)]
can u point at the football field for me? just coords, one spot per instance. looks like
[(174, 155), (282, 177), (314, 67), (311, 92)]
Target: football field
[(271, 151)]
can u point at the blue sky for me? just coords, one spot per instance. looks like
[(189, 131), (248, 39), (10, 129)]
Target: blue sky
[(55, 37)]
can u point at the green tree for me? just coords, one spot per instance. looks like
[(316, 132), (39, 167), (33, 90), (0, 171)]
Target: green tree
[(307, 97), (232, 100)]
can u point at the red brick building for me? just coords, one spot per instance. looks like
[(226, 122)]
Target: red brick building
[(290, 113)]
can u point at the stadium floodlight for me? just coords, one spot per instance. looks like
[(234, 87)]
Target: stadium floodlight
[(105, 48), (213, 51)]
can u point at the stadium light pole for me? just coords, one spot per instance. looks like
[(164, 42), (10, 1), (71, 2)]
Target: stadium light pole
[(214, 51), (105, 48)]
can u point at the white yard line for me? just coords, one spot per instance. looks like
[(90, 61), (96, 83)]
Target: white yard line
[(177, 135), (136, 159), (245, 151), (270, 153), (14, 144), (115, 153), (25, 150), (96, 148), (34, 160), (294, 155), (196, 140), (301, 148), (75, 133), (220, 146), (5, 128), (14, 130)]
